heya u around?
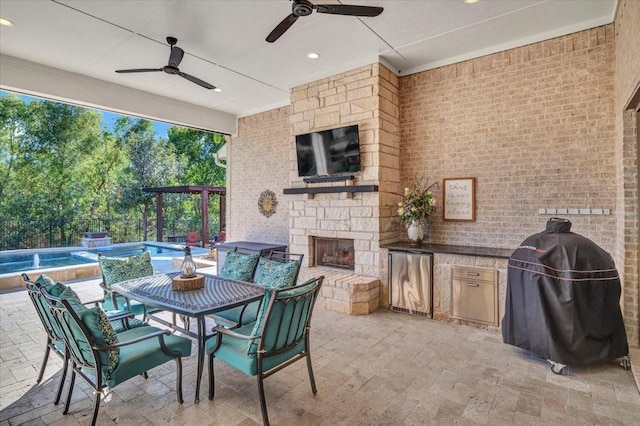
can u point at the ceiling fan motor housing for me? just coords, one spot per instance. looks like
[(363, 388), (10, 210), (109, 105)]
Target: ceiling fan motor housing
[(302, 8)]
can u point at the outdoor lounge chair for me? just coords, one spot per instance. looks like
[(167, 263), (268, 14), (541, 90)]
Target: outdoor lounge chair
[(278, 338), (279, 269), (105, 359), (55, 339)]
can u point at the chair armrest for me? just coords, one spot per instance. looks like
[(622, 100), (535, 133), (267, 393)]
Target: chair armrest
[(93, 302), (116, 315), (159, 334), (223, 330), (220, 330), (112, 294)]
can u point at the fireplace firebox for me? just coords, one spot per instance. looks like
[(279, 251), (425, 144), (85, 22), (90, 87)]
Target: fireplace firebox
[(334, 252)]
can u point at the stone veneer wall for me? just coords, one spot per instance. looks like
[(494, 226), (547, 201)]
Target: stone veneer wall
[(257, 161), (366, 96), (534, 125), (627, 85)]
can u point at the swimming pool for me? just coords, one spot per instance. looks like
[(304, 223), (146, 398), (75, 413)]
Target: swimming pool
[(13, 261)]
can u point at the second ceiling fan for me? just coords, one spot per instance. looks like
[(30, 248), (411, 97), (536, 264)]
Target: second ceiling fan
[(304, 8)]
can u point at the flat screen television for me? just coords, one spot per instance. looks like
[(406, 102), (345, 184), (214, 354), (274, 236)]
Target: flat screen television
[(329, 152)]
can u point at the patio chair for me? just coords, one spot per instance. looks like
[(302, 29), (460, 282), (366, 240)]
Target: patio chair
[(280, 270), (55, 340), (278, 338), (118, 269), (103, 358)]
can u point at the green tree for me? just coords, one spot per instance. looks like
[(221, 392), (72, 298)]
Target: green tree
[(195, 149), (13, 114), (54, 142), (151, 163)]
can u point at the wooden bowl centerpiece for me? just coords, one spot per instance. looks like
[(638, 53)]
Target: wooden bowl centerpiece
[(185, 284)]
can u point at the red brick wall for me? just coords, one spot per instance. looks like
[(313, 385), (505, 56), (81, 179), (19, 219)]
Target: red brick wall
[(534, 125)]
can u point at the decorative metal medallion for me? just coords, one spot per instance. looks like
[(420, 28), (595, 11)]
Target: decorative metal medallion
[(267, 203)]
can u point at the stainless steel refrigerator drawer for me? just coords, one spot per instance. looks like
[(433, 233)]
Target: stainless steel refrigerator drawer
[(474, 300), (411, 283)]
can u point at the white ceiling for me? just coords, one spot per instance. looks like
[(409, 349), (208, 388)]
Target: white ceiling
[(224, 40)]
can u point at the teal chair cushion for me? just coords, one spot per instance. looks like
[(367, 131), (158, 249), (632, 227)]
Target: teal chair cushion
[(102, 333), (115, 270), (143, 356), (52, 287), (276, 314), (260, 319), (239, 266), (276, 274), (234, 352)]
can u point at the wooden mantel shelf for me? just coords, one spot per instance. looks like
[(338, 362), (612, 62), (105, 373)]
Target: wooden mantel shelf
[(332, 189)]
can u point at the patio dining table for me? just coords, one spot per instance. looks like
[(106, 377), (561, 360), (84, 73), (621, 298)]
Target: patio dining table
[(217, 295)]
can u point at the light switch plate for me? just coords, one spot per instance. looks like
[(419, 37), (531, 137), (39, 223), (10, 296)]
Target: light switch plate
[(585, 211), (562, 211), (574, 211), (596, 211), (606, 211), (551, 211), (541, 211)]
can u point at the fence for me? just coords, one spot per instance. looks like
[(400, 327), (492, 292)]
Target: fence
[(28, 234)]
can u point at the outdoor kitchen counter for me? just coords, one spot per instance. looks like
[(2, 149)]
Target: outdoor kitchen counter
[(451, 249)]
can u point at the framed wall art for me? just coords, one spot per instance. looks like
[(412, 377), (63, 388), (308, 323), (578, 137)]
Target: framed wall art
[(459, 199)]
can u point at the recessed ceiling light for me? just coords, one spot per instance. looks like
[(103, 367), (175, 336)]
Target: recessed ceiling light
[(6, 22), (313, 55), (217, 89), (471, 1)]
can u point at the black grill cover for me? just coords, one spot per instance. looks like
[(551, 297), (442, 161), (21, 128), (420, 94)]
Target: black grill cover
[(563, 295)]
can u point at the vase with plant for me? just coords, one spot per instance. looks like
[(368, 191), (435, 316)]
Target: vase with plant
[(415, 209)]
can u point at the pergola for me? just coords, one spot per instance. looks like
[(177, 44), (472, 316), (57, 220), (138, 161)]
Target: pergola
[(204, 192)]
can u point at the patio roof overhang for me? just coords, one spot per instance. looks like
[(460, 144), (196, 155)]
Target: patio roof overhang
[(204, 192)]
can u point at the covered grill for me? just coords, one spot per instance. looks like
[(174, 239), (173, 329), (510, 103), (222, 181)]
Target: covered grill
[(563, 299)]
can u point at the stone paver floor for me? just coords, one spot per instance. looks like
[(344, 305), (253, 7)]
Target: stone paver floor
[(384, 368)]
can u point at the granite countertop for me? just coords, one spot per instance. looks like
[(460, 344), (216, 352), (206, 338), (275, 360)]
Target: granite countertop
[(450, 249)]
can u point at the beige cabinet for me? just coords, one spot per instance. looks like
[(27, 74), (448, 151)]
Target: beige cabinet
[(474, 294)]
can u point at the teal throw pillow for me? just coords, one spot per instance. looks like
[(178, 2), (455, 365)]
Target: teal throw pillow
[(238, 266), (116, 270), (276, 274)]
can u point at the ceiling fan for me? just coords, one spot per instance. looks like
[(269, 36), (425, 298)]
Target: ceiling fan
[(304, 8), (172, 68)]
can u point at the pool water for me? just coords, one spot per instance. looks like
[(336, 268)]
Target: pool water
[(30, 260)]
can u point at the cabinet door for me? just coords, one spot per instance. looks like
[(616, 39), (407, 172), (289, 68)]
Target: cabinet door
[(474, 301)]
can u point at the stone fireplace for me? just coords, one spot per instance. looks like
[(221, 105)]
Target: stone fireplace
[(334, 252)]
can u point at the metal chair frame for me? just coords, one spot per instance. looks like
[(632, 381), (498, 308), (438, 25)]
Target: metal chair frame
[(67, 320), (284, 329)]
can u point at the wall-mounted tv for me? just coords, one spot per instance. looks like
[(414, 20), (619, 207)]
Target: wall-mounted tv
[(329, 152)]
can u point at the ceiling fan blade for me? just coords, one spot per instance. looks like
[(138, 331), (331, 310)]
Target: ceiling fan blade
[(281, 28), (196, 81), (347, 9), (140, 70), (176, 56)]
